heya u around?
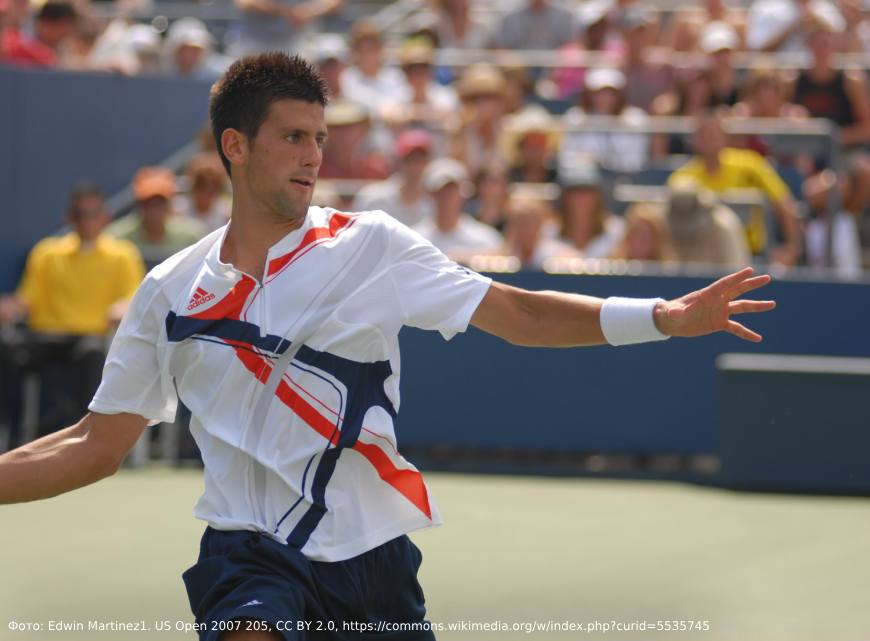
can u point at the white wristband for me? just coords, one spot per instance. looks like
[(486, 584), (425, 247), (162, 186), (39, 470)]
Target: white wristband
[(625, 321)]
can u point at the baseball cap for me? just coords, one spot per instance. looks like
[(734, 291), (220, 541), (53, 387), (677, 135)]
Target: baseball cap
[(444, 171), (364, 29), (604, 78), (328, 46), (412, 140), (345, 112), (416, 51), (153, 181), (585, 174), (718, 36), (189, 31), (689, 210), (480, 79), (592, 12)]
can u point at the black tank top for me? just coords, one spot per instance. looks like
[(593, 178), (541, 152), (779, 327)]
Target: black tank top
[(825, 100)]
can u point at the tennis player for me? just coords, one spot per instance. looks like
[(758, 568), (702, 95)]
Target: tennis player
[(280, 332)]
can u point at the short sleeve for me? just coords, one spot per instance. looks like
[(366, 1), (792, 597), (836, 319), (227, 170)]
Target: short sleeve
[(131, 272), (767, 179), (433, 291), (31, 287), (135, 378)]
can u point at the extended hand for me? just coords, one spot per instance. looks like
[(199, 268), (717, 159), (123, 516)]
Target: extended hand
[(709, 310)]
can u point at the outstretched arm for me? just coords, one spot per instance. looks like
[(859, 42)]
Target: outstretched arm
[(558, 319), (90, 450)]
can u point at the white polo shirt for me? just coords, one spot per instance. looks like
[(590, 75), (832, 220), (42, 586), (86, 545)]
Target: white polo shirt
[(315, 465)]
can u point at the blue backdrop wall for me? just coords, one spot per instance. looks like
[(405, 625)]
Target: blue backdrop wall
[(60, 128), (479, 392)]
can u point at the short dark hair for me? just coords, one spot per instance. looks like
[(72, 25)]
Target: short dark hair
[(241, 98), (57, 11), (81, 191)]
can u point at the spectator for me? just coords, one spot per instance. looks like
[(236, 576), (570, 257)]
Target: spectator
[(420, 101), (539, 25), (704, 230), (329, 52), (646, 78), (688, 25), (693, 96), (526, 235), (783, 25), (154, 227), (189, 51), (844, 247), (827, 92), (368, 81), (646, 235), (55, 25), (455, 27), (586, 224), (351, 151), (719, 168), (491, 192), (856, 37), (207, 200), (450, 229), (519, 87), (475, 138), (842, 97), (73, 290), (403, 195), (718, 42), (17, 46), (531, 143), (127, 48), (604, 95), (593, 34), (763, 95), (275, 25)]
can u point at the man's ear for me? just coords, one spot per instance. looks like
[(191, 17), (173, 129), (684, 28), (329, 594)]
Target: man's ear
[(235, 146)]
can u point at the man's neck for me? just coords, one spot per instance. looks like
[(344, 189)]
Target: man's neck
[(447, 224), (250, 234), (711, 163)]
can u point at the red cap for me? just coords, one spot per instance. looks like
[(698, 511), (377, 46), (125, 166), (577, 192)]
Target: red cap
[(411, 140)]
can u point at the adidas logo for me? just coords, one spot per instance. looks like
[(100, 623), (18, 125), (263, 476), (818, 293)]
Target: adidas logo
[(254, 602), (200, 296)]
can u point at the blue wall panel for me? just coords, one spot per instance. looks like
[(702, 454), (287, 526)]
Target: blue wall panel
[(477, 391), (59, 128)]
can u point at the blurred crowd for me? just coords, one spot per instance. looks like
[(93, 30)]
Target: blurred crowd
[(458, 127)]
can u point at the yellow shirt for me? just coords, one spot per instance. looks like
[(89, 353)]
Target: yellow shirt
[(739, 169), (69, 291)]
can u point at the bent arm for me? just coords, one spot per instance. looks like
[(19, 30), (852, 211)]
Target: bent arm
[(84, 453)]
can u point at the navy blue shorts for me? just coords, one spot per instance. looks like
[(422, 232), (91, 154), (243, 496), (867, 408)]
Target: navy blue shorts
[(244, 580)]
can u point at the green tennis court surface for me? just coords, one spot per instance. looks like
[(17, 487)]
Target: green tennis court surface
[(513, 550)]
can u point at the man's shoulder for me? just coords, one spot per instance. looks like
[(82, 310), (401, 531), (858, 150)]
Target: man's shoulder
[(181, 264), (742, 157), (52, 245)]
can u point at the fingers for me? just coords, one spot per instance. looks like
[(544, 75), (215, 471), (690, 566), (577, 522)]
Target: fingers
[(749, 284), (750, 306), (731, 280), (741, 331)]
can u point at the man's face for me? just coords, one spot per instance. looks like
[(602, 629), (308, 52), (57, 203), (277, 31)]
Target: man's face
[(709, 138), (285, 156), (88, 217), (154, 210), (414, 164)]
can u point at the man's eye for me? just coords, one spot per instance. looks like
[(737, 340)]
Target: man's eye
[(294, 137)]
